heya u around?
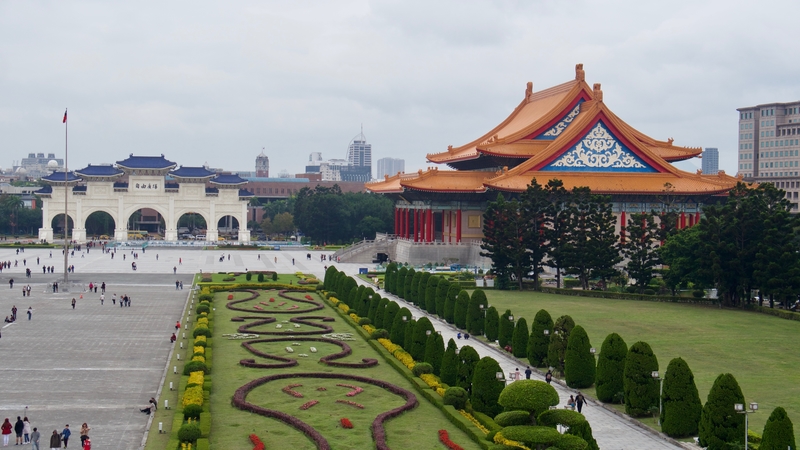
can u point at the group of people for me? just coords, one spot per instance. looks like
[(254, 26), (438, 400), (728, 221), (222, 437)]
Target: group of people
[(26, 291), (27, 435)]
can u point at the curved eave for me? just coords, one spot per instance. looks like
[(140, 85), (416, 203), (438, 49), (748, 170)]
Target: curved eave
[(124, 167)]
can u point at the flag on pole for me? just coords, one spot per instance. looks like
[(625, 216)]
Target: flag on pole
[(65, 117)]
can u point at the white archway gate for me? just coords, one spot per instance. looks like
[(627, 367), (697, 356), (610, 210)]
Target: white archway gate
[(188, 189)]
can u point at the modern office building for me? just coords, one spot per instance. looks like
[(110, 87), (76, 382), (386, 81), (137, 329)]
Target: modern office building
[(769, 146), (390, 166), (710, 161), (359, 160)]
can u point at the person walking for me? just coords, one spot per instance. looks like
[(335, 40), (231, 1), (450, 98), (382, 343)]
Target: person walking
[(579, 401), (30, 312), (6, 430), (102, 299), (26, 430), (35, 436), (84, 432), (548, 376), (528, 373), (73, 302), (55, 441), (65, 434), (19, 426)]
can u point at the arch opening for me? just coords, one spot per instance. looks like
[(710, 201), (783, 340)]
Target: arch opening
[(100, 225), (228, 227), (191, 225), (58, 224), (146, 223)]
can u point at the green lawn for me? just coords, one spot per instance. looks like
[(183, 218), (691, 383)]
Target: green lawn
[(231, 426), (760, 351)]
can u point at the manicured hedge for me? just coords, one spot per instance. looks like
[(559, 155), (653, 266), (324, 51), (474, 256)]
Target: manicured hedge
[(579, 362), (538, 341), (626, 296), (641, 390), (610, 368), (681, 402)]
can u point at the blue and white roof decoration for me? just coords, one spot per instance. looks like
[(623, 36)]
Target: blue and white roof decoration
[(58, 177), (599, 151), (146, 162), (556, 130), (192, 172), (228, 179), (103, 170)]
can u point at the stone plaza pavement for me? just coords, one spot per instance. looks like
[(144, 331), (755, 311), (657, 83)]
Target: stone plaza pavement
[(99, 364)]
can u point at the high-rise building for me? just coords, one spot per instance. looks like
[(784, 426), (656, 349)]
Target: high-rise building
[(769, 146), (710, 161), (390, 166), (262, 165), (359, 160), (36, 165)]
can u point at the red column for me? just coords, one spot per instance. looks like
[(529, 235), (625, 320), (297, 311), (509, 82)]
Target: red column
[(396, 221), (429, 227), (683, 221), (697, 217), (691, 220), (405, 226), (416, 225), (449, 225), (458, 225), (622, 227)]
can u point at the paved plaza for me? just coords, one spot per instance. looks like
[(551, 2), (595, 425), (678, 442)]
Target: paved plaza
[(100, 364)]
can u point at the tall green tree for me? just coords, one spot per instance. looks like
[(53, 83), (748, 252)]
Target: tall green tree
[(609, 378), (441, 295), (778, 432), (450, 364), (639, 386), (558, 216), (505, 231), (506, 329), (390, 277), (398, 333), (460, 314), (720, 425), (400, 282), (408, 295), (680, 401), (557, 350), (450, 303), (579, 363), (519, 340), (580, 225), (469, 358), (434, 352), (640, 248), (491, 324), (373, 307), (380, 313), (604, 252), (414, 289), (421, 330), (408, 339), (486, 388), (535, 205), (680, 256), (392, 308), (430, 294), (475, 312), (538, 340)]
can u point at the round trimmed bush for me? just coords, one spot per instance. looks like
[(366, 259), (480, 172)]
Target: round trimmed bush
[(192, 411), (203, 309), (531, 435), (456, 396), (533, 396), (195, 366), (364, 321), (511, 418), (584, 431), (201, 331), (200, 343), (421, 369), (189, 432), (248, 276), (205, 297), (610, 368), (380, 333), (649, 292), (565, 417)]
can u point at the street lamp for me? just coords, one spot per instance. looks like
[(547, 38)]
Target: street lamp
[(427, 332), (500, 377), (655, 376), (405, 318), (547, 332), (593, 351), (510, 318), (739, 407)]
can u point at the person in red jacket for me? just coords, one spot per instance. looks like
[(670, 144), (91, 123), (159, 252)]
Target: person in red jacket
[(6, 429)]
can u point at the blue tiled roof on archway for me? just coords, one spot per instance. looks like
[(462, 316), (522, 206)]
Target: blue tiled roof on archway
[(146, 162)]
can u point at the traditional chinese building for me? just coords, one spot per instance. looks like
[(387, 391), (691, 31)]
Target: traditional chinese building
[(566, 132)]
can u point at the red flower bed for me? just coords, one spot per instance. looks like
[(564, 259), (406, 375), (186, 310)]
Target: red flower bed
[(445, 439), (257, 444), (313, 305), (346, 423), (308, 297), (290, 390), (271, 299), (230, 296), (308, 404), (355, 389), (351, 403)]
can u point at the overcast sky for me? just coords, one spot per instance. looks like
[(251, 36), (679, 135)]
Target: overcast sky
[(214, 82)]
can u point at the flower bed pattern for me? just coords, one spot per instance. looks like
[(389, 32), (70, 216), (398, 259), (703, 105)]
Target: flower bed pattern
[(316, 306), (445, 439), (304, 320), (329, 360), (289, 389), (346, 423), (257, 444), (355, 389), (351, 403)]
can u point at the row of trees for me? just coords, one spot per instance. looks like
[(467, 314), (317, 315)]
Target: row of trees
[(15, 218)]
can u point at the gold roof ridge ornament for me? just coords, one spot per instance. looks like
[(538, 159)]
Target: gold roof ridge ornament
[(598, 92), (529, 91), (580, 75)]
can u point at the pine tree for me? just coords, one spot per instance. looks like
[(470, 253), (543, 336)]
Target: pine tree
[(475, 312), (330, 273), (460, 314), (469, 357), (535, 204), (519, 339), (604, 252), (421, 329), (413, 297), (579, 363), (398, 333), (400, 282), (778, 432), (486, 388), (441, 296), (557, 349), (430, 294), (390, 277), (680, 401), (505, 329), (538, 340), (557, 226), (505, 231), (388, 316), (491, 324), (450, 303), (407, 294), (422, 289), (719, 422), (450, 364), (408, 338), (641, 390), (380, 311), (610, 368), (434, 352), (640, 249), (373, 307)]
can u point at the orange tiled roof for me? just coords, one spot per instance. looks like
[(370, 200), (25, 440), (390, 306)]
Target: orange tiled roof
[(432, 180)]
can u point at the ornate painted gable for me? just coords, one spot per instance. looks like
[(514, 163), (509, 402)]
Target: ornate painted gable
[(556, 130)]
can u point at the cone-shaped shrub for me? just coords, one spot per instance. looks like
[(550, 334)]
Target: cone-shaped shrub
[(421, 289), (557, 349), (468, 358), (450, 364), (355, 299), (505, 329), (374, 301), (430, 294), (639, 386), (460, 314), (398, 330), (584, 431), (418, 289), (610, 368), (407, 295), (347, 288), (491, 324), (778, 432), (380, 311), (519, 340), (390, 277), (400, 282), (538, 341), (441, 295), (450, 303), (351, 298), (388, 316), (719, 422), (475, 312), (434, 352), (680, 401), (417, 349), (533, 396), (486, 388), (330, 273), (579, 363), (409, 334)]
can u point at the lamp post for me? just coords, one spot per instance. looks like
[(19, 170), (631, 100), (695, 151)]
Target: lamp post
[(510, 318), (655, 376), (500, 377), (739, 407), (547, 332)]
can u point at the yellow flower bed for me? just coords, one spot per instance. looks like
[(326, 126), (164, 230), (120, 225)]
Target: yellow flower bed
[(334, 300), (431, 380), (404, 357), (202, 321), (200, 339), (499, 439), (355, 317), (199, 349), (186, 446), (368, 328), (440, 391), (193, 396), (344, 308), (389, 345), (197, 378), (205, 290), (202, 359), (474, 421)]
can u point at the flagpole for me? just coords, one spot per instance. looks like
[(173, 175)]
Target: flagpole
[(66, 193)]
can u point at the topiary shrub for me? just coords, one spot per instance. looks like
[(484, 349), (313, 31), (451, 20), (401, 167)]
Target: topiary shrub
[(778, 432), (579, 362), (450, 362), (430, 294), (649, 292), (505, 329), (421, 369), (274, 276), (491, 324), (201, 308), (260, 278), (380, 333), (248, 276), (557, 349), (538, 341), (610, 368), (532, 436), (398, 333), (434, 352), (192, 411), (194, 366), (533, 396), (456, 396), (680, 401), (408, 335), (468, 358), (460, 313), (565, 417), (379, 313), (400, 283), (201, 331), (441, 295), (584, 431), (486, 388), (410, 279), (364, 321), (189, 432), (229, 279), (641, 390), (420, 338), (450, 303), (719, 422), (519, 340), (205, 297), (475, 312), (512, 418)]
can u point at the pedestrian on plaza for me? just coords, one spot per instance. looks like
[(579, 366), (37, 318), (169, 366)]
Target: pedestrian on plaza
[(181, 284), (84, 432), (177, 284), (19, 426), (121, 301), (65, 434), (571, 402), (548, 376), (156, 256), (102, 299), (55, 441), (14, 313), (26, 430), (24, 291), (95, 289), (528, 373), (517, 375), (458, 335), (579, 401), (73, 302), (172, 338), (177, 325), (35, 436), (29, 290), (6, 430), (11, 283), (103, 287), (114, 298), (174, 270), (180, 261), (91, 286)]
